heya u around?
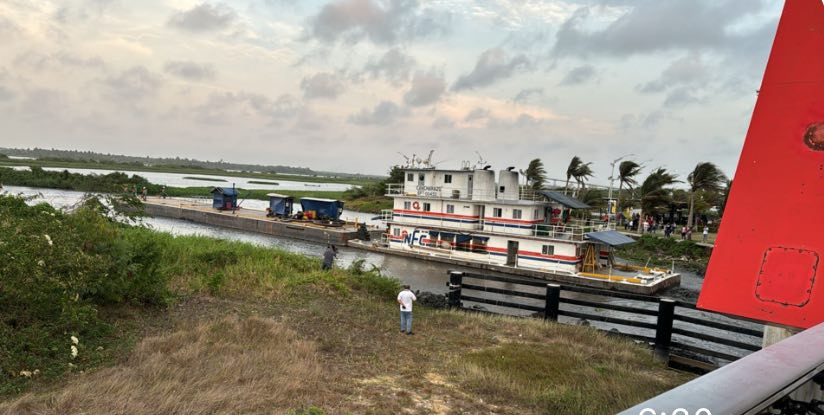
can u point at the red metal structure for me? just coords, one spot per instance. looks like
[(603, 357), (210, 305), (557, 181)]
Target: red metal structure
[(766, 266)]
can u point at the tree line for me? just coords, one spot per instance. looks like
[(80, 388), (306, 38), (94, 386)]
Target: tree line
[(655, 196)]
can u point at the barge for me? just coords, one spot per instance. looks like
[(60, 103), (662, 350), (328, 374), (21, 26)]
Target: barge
[(468, 218)]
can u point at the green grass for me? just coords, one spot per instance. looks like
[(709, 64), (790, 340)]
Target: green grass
[(660, 251), (264, 182)]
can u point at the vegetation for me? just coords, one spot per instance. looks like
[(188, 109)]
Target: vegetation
[(579, 171), (535, 174), (653, 192), (664, 251), (706, 177), (372, 197), (627, 171), (262, 330)]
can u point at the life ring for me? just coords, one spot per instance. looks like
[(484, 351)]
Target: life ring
[(416, 205)]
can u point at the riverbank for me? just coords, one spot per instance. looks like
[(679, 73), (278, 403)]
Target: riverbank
[(664, 252), (118, 183), (267, 331), (138, 167)]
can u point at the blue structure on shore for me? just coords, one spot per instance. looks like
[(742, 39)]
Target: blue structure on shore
[(224, 198), (280, 205), (328, 209)]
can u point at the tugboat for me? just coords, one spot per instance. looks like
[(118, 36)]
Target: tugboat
[(467, 215)]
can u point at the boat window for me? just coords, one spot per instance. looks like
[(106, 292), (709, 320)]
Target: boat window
[(407, 205), (397, 231), (427, 207), (497, 212), (410, 177), (447, 178), (548, 250), (516, 214), (420, 177), (450, 208), (536, 214)]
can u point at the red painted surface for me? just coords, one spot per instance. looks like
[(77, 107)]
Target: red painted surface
[(765, 262)]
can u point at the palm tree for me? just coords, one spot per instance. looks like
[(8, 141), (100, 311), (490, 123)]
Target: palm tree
[(707, 177), (535, 174), (572, 170), (583, 172), (627, 171), (652, 191)]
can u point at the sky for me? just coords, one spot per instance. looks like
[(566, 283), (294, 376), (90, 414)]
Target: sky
[(352, 85)]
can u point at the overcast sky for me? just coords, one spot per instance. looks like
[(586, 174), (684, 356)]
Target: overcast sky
[(344, 85)]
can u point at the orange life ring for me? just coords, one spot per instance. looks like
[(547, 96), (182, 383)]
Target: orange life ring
[(416, 205)]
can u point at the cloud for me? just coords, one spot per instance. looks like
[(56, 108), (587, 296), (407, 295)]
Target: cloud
[(36, 61), (578, 75), (322, 85), (224, 107), (477, 114), (492, 65), (681, 97), (653, 25), (190, 70), (381, 22), (6, 94), (133, 84), (204, 18), (442, 123), (427, 88), (683, 71), (525, 94), (394, 65), (384, 113)]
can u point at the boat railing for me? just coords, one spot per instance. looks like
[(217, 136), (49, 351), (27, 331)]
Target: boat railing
[(387, 215), (401, 189)]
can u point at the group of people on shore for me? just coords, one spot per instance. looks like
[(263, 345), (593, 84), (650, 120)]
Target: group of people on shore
[(144, 193), (650, 225)]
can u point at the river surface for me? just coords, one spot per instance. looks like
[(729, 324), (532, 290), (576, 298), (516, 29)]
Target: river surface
[(421, 275), (181, 180)]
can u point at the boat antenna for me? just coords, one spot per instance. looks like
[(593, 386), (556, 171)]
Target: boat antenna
[(481, 161)]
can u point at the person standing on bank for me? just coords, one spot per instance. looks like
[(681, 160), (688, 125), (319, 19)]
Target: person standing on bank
[(329, 257), (405, 299)]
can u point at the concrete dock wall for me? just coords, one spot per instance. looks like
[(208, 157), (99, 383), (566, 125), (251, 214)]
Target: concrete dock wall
[(337, 236)]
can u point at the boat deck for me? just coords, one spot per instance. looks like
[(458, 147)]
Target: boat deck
[(252, 220), (618, 281)]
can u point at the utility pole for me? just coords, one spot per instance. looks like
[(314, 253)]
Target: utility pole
[(611, 181)]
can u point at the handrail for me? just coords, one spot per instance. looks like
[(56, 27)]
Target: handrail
[(755, 381)]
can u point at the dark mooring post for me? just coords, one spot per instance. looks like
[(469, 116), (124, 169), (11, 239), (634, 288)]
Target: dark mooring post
[(663, 329), (553, 301), (453, 299)]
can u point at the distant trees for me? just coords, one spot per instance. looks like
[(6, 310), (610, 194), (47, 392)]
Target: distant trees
[(653, 192), (705, 177), (535, 174)]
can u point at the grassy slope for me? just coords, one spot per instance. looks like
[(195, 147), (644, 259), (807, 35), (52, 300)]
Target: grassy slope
[(261, 330)]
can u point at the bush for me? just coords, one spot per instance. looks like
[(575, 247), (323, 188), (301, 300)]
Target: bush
[(57, 270)]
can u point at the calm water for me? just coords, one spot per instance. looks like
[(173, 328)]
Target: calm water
[(180, 180)]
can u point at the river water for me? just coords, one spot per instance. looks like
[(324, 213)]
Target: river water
[(181, 180)]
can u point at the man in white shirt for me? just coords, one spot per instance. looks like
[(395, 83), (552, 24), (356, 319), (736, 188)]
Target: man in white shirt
[(405, 299)]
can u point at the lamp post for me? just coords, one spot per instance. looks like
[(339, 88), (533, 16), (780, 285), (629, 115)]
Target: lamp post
[(611, 181)]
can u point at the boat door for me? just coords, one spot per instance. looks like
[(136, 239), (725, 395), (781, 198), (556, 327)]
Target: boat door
[(512, 253), (469, 187)]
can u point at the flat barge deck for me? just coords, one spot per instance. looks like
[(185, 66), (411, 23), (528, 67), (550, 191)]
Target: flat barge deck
[(254, 221)]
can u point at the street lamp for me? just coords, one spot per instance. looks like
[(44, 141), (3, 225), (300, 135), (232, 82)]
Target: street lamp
[(611, 181)]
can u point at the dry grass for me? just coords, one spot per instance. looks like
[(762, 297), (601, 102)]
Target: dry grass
[(345, 355), (232, 365)]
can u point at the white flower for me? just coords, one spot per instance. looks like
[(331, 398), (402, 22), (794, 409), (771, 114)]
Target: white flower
[(48, 239), (41, 263), (74, 351), (36, 372), (25, 373), (75, 340)]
